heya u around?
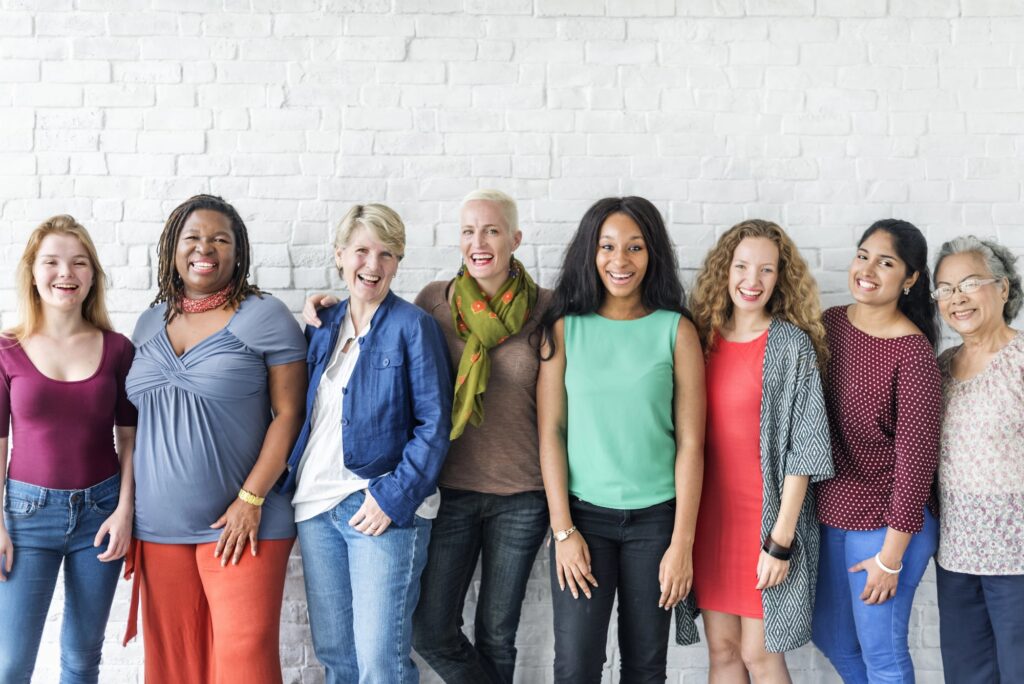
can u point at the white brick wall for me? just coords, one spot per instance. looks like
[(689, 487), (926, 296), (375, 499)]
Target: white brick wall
[(820, 114)]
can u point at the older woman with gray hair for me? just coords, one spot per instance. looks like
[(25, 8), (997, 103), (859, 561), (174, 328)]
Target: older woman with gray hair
[(980, 561)]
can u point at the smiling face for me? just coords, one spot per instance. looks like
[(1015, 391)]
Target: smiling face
[(977, 313), (205, 255), (487, 243), (62, 272), (877, 276), (622, 257), (367, 266), (753, 274)]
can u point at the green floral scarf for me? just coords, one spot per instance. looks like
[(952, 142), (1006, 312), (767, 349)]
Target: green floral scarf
[(484, 323)]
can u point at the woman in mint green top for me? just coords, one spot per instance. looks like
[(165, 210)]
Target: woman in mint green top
[(621, 439), (620, 403)]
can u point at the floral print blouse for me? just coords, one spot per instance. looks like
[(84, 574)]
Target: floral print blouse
[(981, 466)]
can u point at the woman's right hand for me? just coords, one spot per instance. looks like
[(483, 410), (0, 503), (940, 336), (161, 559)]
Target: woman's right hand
[(572, 564), (315, 302), (7, 551)]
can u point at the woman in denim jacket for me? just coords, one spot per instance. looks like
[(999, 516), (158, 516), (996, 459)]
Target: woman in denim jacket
[(366, 463)]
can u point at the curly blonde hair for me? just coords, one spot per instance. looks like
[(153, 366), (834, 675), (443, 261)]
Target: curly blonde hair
[(795, 298)]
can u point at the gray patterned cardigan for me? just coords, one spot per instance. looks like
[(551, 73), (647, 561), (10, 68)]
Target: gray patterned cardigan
[(794, 441)]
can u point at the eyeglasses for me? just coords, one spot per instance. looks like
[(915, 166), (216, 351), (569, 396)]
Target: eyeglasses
[(968, 286)]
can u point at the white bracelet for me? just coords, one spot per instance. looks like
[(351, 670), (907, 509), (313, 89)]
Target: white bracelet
[(890, 571)]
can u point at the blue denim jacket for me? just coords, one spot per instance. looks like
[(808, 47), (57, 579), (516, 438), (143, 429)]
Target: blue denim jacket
[(396, 409)]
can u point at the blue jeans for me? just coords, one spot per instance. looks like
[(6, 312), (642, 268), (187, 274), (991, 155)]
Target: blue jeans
[(361, 592), (506, 531), (49, 527), (626, 548), (867, 643), (981, 627)]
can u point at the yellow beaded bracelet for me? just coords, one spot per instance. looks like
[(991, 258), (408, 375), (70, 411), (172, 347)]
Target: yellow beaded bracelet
[(250, 498)]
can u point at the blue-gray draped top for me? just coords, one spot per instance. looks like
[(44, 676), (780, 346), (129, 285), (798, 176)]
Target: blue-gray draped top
[(202, 420)]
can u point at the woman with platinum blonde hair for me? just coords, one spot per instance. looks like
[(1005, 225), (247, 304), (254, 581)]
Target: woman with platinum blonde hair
[(492, 495), (980, 562), (756, 551), (69, 486), (365, 466)]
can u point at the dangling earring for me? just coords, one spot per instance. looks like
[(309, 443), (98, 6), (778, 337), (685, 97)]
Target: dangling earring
[(906, 291), (462, 270), (513, 272)]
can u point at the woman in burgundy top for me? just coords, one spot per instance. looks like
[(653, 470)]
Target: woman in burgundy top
[(69, 493), (883, 395)]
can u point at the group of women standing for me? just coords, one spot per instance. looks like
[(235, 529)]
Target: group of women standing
[(748, 458)]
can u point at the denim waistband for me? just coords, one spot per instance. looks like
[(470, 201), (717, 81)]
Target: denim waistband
[(40, 495)]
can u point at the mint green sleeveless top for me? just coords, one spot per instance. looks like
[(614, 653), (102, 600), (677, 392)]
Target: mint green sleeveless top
[(619, 386)]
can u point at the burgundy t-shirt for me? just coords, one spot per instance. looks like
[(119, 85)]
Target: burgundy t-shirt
[(884, 401), (63, 432)]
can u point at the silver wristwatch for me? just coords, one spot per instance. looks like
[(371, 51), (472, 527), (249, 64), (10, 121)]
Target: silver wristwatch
[(562, 535)]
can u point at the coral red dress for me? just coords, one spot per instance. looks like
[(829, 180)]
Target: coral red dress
[(728, 538)]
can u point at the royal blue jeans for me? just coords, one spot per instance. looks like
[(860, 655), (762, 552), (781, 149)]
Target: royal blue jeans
[(504, 532), (981, 627), (50, 528), (626, 548), (361, 592), (867, 643)]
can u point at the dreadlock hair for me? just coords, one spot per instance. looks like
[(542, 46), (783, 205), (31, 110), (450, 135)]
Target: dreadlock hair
[(170, 286), (580, 290)]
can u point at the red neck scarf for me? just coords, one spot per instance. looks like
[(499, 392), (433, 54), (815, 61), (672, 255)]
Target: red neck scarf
[(203, 304)]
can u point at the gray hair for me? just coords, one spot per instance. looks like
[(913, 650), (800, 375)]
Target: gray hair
[(999, 261)]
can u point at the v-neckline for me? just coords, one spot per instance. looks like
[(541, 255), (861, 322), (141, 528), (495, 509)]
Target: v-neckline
[(200, 343)]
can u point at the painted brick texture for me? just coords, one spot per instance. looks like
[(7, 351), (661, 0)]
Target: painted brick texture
[(822, 115)]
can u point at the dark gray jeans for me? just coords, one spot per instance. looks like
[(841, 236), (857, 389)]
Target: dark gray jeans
[(505, 532), (626, 548)]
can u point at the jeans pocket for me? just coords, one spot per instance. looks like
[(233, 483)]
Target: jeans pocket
[(18, 508), (106, 504)]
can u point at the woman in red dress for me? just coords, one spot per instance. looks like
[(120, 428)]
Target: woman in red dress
[(755, 555)]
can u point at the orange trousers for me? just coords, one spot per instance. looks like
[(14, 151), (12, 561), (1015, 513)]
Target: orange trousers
[(207, 624)]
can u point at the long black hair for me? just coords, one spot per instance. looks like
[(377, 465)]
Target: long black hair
[(912, 248), (580, 290), (170, 288)]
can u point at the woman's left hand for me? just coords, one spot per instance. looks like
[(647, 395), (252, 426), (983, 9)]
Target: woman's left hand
[(880, 585), (241, 523), (370, 519), (675, 576), (119, 526), (770, 571)]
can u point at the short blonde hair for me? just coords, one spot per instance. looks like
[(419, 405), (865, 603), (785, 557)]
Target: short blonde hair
[(94, 308), (381, 220), (506, 205)]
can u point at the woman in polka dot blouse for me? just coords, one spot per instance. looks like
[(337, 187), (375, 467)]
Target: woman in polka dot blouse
[(878, 514)]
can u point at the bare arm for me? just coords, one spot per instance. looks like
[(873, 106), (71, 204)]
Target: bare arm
[(689, 407), (315, 302), (771, 570), (119, 524), (241, 521), (571, 555), (6, 547)]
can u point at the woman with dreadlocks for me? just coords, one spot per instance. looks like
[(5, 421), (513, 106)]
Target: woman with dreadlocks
[(219, 379)]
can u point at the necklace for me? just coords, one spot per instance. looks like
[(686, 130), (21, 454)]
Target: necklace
[(203, 304)]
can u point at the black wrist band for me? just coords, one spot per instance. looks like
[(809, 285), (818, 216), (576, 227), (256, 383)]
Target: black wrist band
[(776, 550)]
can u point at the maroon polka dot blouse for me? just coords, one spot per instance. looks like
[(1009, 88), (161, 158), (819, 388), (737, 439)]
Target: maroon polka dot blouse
[(884, 401)]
